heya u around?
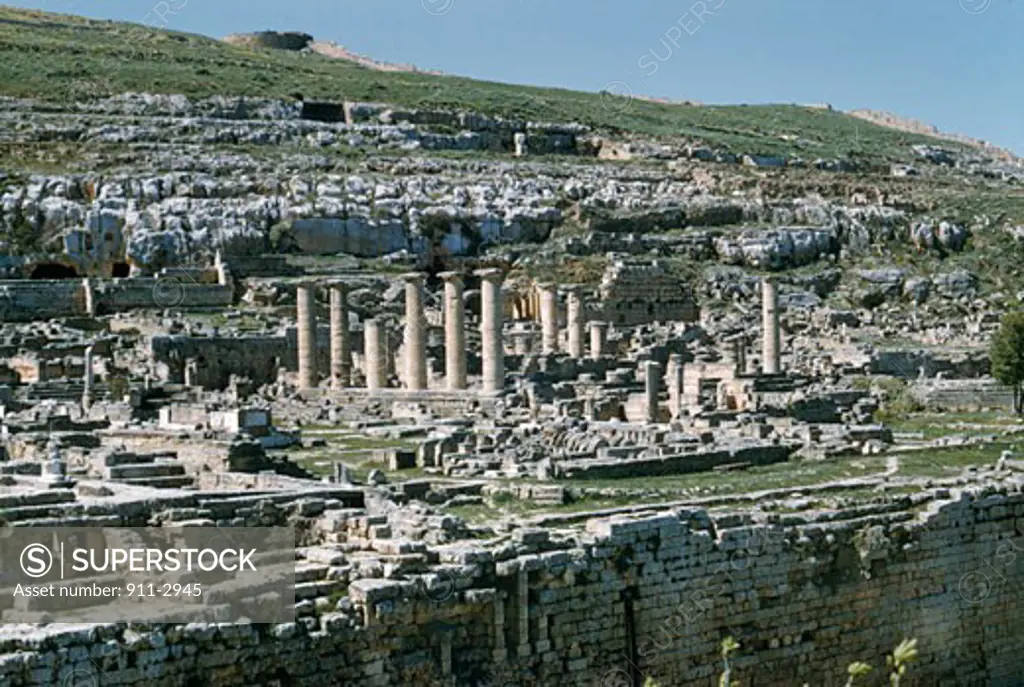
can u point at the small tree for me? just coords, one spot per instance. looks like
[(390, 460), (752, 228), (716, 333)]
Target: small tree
[(1007, 356)]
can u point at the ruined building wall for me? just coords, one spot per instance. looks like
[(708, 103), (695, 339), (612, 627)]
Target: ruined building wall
[(30, 300), (641, 293), (633, 598), (219, 357)]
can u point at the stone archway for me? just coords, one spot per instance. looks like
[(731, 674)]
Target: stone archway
[(53, 270)]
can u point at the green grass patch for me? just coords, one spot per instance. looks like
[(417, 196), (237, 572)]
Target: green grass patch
[(948, 462)]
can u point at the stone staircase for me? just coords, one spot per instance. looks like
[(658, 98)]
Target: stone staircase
[(62, 390), (148, 470), (33, 505)]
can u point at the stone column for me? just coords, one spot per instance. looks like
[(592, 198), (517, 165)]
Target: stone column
[(89, 297), (222, 270), (598, 335), (770, 327), (521, 340), (740, 352), (415, 333), (523, 599), (341, 353), (675, 385), (374, 355), (519, 140), (454, 331), (493, 352), (87, 379), (305, 320), (652, 372), (574, 320), (549, 317)]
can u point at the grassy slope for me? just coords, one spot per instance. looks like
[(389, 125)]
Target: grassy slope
[(61, 57)]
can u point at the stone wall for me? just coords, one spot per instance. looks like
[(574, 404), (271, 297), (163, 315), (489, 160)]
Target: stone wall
[(24, 301), (629, 598), (641, 293), (963, 394), (29, 300), (219, 357)]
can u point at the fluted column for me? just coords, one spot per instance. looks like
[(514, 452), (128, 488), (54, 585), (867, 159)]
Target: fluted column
[(415, 333), (770, 327), (574, 320), (491, 311), (374, 355), (549, 317), (305, 307), (454, 331), (341, 350)]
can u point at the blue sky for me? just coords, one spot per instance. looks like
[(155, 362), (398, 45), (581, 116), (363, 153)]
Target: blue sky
[(951, 63)]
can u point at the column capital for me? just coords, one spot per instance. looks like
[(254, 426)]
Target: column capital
[(547, 286), (574, 289), (337, 284), (451, 276), (412, 277), (490, 273)]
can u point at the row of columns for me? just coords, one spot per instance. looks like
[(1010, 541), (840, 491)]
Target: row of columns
[(548, 311), (674, 378), (341, 349), (491, 326), (575, 323), (414, 337), (492, 315)]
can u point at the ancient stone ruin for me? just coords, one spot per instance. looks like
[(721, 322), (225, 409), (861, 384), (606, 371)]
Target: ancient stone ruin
[(559, 406)]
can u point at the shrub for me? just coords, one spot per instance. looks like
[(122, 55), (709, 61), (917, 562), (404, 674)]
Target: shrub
[(1007, 355)]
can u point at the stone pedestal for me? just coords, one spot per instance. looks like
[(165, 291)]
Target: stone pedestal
[(493, 351), (341, 349), (55, 473), (415, 333), (770, 327), (574, 320), (305, 321), (549, 317), (374, 354), (454, 331), (652, 373), (598, 339)]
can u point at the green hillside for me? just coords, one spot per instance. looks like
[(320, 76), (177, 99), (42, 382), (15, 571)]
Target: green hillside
[(67, 58)]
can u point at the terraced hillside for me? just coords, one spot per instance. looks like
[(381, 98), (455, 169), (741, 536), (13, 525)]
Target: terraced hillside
[(63, 58), (186, 145)]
